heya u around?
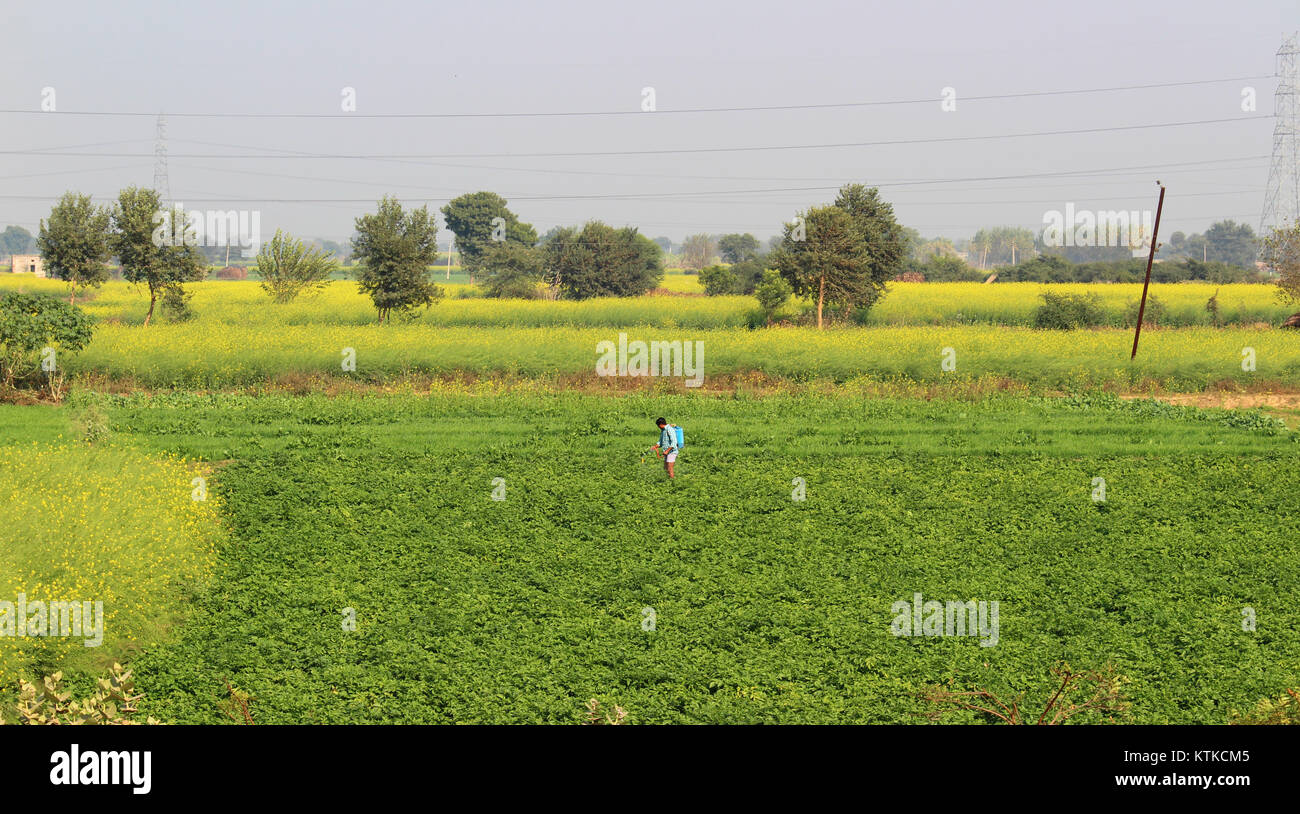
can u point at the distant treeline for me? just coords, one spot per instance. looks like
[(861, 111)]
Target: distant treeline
[(1046, 268)]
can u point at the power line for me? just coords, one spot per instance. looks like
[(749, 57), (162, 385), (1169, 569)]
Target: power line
[(684, 150), (681, 111)]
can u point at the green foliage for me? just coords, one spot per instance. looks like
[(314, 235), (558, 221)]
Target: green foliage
[(155, 246), (1153, 314), (1063, 312), (749, 273), (470, 217), (1281, 711), (772, 294), (768, 610), (601, 261), (843, 255), (718, 280), (396, 250), (511, 270), (31, 322), (176, 304), (831, 265), (113, 702), (736, 248), (288, 267), (75, 242)]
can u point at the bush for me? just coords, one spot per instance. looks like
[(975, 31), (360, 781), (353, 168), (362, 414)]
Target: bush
[(772, 293), (718, 281), (1153, 315), (1063, 312), (30, 323), (176, 304), (289, 267)]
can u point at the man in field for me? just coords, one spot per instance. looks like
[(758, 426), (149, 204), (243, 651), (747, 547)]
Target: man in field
[(667, 446)]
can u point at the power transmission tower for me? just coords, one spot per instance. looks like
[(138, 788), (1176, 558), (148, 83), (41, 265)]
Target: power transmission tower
[(1282, 197), (161, 183)]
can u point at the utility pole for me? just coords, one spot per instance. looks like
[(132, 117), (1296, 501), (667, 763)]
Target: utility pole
[(1151, 256)]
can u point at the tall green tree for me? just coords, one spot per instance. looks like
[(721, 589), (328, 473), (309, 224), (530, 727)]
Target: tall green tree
[(396, 249), (75, 242), (735, 248), (156, 247), (602, 261), (471, 218), (885, 240), (831, 264)]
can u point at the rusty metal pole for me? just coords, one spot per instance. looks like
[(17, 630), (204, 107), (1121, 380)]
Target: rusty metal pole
[(1151, 256)]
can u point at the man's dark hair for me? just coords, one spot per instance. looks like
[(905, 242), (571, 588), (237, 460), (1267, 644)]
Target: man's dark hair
[(659, 422)]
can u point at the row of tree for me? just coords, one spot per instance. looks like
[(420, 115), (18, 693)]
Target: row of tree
[(1226, 242), (839, 255)]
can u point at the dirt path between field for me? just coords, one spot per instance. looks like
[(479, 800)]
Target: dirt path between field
[(1230, 401)]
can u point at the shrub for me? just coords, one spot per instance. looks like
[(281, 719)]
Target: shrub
[(1154, 313), (772, 293), (176, 304), (288, 267), (1063, 312), (29, 323), (718, 281)]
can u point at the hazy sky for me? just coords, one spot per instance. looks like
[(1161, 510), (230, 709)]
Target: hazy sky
[(562, 56)]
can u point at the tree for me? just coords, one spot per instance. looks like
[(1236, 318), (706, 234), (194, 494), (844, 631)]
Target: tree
[(698, 251), (772, 293), (735, 248), (602, 261), (155, 246), (1282, 257), (1232, 243), (1003, 245), (395, 250), (75, 242), (16, 240), (30, 323), (665, 243), (884, 238), (832, 263), (472, 218), (289, 267), (512, 270)]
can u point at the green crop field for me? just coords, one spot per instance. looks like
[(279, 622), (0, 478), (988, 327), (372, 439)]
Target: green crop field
[(467, 527), (765, 608)]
